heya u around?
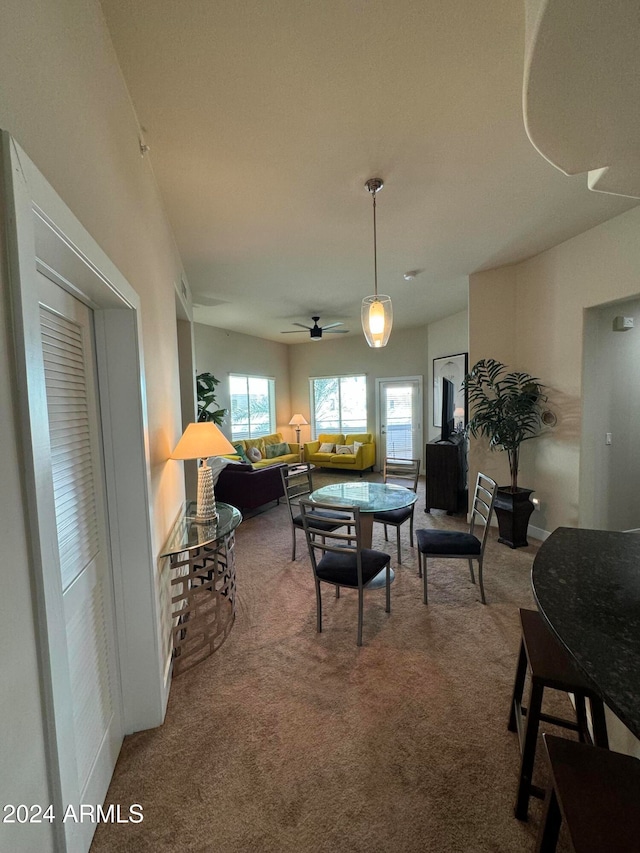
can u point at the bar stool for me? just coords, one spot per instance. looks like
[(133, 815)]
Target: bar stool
[(596, 792), (549, 666)]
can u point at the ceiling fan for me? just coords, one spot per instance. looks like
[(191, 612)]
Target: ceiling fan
[(315, 331)]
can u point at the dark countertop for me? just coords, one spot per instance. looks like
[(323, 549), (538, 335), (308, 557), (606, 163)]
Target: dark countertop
[(587, 586)]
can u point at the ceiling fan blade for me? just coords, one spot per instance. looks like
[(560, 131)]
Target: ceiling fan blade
[(330, 326), (292, 332), (302, 325), (335, 331)]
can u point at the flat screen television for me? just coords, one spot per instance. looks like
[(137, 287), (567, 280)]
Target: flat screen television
[(448, 409)]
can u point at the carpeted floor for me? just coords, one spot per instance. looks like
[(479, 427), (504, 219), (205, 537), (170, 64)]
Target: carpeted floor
[(288, 740)]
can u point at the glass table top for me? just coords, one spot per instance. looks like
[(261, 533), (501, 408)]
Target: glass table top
[(186, 533), (369, 497)]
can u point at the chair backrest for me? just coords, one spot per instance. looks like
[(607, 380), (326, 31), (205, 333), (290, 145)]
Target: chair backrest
[(296, 483), (402, 469), (483, 500), (346, 538)]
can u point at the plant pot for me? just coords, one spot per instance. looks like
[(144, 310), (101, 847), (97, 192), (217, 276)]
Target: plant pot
[(513, 510)]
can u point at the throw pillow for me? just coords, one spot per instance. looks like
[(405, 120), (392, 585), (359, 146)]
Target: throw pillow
[(274, 450), (342, 449), (356, 445), (241, 452), (254, 454), (326, 447)]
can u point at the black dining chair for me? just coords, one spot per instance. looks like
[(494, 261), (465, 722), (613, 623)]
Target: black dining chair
[(456, 544), (297, 483), (338, 558), (402, 472)]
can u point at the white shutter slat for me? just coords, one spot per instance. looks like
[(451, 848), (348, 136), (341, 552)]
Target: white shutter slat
[(71, 455)]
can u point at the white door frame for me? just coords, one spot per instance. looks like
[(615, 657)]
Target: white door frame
[(379, 381), (44, 235)]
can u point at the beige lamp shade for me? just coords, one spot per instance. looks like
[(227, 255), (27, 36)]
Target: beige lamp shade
[(201, 440), (298, 420)]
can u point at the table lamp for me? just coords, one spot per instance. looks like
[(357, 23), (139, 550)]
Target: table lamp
[(297, 421), (200, 441)]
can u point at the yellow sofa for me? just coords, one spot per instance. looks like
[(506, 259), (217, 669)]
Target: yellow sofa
[(292, 455), (364, 458)]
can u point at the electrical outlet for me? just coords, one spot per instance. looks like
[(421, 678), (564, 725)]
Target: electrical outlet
[(607, 438)]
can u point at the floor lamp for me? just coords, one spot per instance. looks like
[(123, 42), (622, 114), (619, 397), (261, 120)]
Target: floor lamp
[(200, 441), (298, 421)]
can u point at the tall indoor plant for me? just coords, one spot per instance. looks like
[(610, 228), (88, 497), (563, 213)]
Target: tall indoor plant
[(206, 392), (507, 409)]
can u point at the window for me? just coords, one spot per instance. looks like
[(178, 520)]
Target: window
[(253, 410), (339, 404)]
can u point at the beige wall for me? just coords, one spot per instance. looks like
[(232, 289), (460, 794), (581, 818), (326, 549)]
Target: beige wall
[(492, 309), (531, 316), (404, 355), (444, 337), (63, 99), (221, 352), (409, 353)]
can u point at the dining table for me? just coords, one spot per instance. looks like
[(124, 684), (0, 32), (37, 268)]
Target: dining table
[(369, 497), (587, 587)]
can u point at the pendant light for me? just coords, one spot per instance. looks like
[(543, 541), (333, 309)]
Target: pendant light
[(377, 312)]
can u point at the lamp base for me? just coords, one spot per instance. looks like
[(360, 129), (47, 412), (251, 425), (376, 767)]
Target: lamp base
[(206, 506)]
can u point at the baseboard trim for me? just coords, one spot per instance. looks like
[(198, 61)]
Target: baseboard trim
[(538, 533), (632, 530)]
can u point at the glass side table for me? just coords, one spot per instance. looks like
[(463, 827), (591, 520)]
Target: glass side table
[(203, 583)]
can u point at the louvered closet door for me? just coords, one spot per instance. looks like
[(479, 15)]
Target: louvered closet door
[(85, 573)]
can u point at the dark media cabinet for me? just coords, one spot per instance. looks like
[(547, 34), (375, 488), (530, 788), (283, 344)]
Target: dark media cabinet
[(446, 474)]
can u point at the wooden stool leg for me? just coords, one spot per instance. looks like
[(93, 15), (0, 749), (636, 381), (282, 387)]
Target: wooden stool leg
[(581, 717), (550, 826), (518, 687), (600, 737), (529, 750)]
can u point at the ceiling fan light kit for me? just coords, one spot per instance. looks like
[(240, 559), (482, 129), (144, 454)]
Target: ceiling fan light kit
[(377, 311)]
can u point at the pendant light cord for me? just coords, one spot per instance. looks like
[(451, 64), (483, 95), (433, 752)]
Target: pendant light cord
[(375, 250)]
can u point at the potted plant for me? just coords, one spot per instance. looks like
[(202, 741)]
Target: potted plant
[(506, 409), (206, 392)]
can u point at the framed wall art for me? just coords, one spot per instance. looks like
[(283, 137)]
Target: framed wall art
[(454, 368)]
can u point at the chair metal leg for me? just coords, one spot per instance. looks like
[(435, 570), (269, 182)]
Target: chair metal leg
[(473, 577), (337, 592), (293, 550), (386, 538), (411, 531), (388, 607), (482, 598), (419, 564), (529, 751), (318, 608), (424, 578), (398, 545), (360, 613), (550, 826)]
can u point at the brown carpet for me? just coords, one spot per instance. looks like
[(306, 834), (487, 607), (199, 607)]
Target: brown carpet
[(289, 740)]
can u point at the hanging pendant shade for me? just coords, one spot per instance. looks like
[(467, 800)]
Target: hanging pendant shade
[(377, 319), (377, 311)]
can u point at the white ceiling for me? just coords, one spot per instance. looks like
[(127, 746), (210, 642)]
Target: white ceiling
[(266, 117)]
